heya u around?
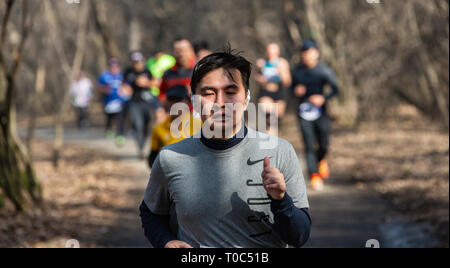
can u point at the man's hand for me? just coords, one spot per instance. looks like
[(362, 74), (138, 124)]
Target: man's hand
[(260, 79), (125, 91), (143, 81), (300, 91), (317, 100), (273, 181), (177, 244)]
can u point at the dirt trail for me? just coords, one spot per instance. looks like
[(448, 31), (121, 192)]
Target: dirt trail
[(343, 215)]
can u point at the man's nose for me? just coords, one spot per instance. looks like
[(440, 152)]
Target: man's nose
[(220, 99)]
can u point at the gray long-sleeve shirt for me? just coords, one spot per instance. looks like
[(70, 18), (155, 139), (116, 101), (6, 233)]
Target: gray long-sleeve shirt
[(218, 195)]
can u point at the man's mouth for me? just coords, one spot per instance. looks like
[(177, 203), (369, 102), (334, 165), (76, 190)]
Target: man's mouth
[(222, 117)]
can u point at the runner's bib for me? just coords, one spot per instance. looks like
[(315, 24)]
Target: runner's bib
[(113, 107), (310, 112), (147, 96)]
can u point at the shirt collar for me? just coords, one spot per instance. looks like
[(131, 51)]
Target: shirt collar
[(221, 145)]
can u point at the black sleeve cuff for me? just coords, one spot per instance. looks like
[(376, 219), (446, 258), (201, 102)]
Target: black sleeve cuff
[(278, 206)]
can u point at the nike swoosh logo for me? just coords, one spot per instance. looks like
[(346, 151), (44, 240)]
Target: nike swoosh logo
[(252, 163)]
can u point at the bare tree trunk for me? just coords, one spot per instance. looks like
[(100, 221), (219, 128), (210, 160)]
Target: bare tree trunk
[(291, 27), (70, 71), (39, 88), (431, 75), (135, 36), (255, 13), (100, 17), (16, 172)]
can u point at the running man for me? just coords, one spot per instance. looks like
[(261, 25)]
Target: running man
[(139, 81), (81, 94), (227, 191), (187, 125), (181, 73), (273, 77), (309, 79), (109, 84)]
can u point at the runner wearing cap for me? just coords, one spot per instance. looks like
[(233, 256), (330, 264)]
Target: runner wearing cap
[(308, 81), (227, 187), (138, 80)]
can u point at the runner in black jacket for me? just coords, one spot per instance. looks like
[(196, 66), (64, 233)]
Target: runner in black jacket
[(308, 81)]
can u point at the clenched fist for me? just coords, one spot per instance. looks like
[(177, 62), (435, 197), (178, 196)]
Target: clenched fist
[(273, 181)]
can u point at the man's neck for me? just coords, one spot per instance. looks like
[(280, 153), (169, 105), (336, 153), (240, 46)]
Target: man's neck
[(224, 144), (273, 59), (312, 66)]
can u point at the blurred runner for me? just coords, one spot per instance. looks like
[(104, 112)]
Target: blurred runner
[(273, 77), (309, 79), (139, 81), (202, 50), (181, 73), (81, 94), (188, 125), (158, 65), (109, 84)]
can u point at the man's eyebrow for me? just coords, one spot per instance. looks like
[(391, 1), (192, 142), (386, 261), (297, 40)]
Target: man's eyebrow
[(230, 86), (207, 88)]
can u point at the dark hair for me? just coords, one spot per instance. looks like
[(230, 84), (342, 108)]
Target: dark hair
[(201, 45), (227, 59)]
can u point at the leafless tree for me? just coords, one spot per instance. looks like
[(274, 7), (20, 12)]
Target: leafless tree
[(16, 172)]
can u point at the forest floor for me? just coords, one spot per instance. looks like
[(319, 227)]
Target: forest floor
[(390, 182)]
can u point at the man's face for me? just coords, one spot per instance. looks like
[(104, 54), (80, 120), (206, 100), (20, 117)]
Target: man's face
[(310, 57), (114, 68), (223, 99), (183, 52), (138, 65)]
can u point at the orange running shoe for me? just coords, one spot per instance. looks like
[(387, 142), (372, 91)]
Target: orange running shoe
[(316, 182), (324, 169)]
